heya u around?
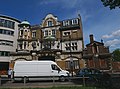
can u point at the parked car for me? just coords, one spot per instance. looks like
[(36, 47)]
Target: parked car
[(88, 72), (93, 77)]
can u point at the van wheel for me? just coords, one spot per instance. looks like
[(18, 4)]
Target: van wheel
[(62, 78)]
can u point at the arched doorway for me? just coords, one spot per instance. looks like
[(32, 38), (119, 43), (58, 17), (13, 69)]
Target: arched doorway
[(4, 66), (75, 66), (21, 59)]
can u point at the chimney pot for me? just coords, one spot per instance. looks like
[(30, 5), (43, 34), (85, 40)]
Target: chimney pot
[(91, 38)]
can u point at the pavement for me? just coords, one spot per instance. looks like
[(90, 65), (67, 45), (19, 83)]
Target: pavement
[(7, 83)]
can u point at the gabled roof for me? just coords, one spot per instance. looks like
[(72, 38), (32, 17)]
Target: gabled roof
[(95, 42)]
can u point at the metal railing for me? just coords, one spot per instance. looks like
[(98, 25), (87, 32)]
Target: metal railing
[(80, 81)]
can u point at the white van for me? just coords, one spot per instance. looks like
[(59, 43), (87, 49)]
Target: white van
[(34, 70)]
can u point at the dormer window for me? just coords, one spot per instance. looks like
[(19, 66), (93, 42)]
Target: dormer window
[(49, 23), (66, 23), (74, 21)]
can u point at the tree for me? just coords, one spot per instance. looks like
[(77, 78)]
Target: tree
[(116, 55), (111, 3)]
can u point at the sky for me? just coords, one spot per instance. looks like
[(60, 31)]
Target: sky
[(98, 20)]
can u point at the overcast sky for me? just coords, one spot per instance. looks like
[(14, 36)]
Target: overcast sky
[(98, 20)]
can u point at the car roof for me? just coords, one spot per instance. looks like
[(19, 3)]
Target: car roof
[(90, 69)]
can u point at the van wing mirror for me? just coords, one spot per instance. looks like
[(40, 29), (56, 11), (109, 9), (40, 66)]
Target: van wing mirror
[(59, 70)]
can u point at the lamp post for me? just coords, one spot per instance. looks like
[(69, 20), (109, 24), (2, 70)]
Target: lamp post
[(33, 55), (71, 65), (33, 52)]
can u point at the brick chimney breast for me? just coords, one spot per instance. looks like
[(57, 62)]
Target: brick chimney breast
[(91, 38)]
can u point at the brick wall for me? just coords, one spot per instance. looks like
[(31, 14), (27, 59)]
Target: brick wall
[(116, 66)]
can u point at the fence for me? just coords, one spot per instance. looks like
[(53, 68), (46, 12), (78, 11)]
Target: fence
[(72, 81), (53, 82)]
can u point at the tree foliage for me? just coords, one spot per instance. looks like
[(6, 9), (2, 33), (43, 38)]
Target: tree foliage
[(111, 3), (116, 55)]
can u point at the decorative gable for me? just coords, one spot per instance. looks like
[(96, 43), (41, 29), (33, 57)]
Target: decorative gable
[(50, 21)]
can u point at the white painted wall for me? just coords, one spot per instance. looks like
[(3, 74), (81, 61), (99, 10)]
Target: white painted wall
[(9, 38)]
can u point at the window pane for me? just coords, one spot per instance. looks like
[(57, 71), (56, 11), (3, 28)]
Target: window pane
[(53, 32), (46, 32), (12, 33), (13, 25), (49, 23), (66, 23), (2, 53), (24, 45), (54, 67), (75, 21), (1, 31), (7, 23), (33, 34), (1, 22), (67, 64)]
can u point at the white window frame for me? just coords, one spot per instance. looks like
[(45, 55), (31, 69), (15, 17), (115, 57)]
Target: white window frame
[(74, 21), (34, 34), (54, 32), (66, 23), (51, 23), (45, 32)]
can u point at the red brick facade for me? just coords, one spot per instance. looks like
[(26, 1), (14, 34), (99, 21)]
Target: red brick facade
[(116, 66), (97, 55)]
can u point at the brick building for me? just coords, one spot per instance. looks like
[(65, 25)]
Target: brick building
[(97, 55)]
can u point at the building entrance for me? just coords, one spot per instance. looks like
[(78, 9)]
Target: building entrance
[(4, 66)]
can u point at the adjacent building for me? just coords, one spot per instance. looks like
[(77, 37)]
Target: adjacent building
[(72, 45), (97, 55), (8, 40)]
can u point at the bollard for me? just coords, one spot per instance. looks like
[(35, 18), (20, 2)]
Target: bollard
[(12, 77), (24, 80), (83, 80), (0, 81)]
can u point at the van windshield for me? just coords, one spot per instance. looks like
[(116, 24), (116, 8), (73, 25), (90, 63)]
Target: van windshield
[(54, 67)]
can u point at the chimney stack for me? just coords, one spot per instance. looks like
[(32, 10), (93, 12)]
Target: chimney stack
[(91, 38)]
